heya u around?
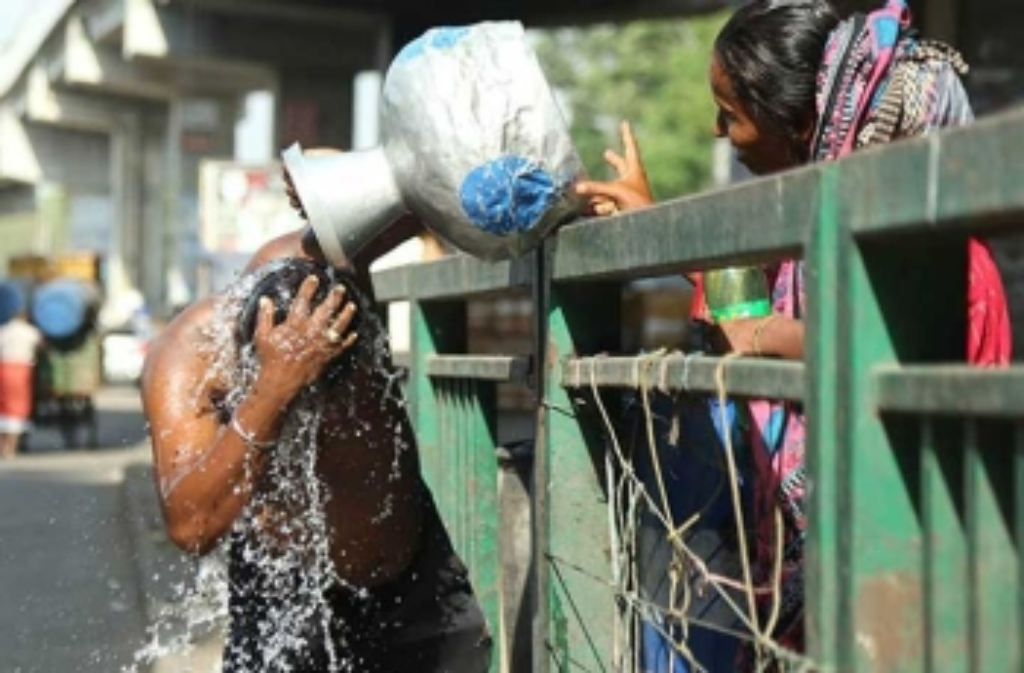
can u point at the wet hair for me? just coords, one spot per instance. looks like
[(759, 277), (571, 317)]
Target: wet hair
[(771, 51), (280, 281)]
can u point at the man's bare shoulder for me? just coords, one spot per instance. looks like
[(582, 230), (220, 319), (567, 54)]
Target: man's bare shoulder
[(290, 244), (178, 350)]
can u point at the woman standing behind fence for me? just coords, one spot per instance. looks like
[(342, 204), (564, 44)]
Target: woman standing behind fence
[(795, 84)]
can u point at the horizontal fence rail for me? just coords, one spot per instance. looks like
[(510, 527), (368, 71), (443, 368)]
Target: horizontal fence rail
[(453, 277), (677, 372), (951, 390), (499, 368), (693, 232), (965, 178)]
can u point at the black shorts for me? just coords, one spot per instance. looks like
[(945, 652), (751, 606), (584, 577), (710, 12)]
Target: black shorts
[(426, 620)]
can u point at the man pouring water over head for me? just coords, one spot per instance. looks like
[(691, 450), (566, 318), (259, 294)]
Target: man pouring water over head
[(279, 431)]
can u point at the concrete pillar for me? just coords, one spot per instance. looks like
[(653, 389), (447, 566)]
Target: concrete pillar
[(169, 251), (197, 128), (154, 208), (123, 252)]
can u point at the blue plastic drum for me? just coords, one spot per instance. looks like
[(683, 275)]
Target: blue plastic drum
[(62, 308), (12, 299)]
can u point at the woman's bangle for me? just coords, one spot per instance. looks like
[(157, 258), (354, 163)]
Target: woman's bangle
[(250, 438), (758, 330)]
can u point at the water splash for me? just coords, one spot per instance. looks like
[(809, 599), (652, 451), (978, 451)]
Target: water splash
[(283, 531), (196, 610)]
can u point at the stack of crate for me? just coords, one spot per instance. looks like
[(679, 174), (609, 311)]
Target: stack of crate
[(42, 268)]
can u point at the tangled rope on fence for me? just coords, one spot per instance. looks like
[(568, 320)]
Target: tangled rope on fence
[(628, 493)]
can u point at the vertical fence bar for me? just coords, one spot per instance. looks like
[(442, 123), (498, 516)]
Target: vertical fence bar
[(456, 436), (434, 463), (467, 488), (436, 327), (824, 342), (539, 576), (945, 553), (485, 508), (994, 564), (466, 473), (866, 546), (575, 547), (459, 486)]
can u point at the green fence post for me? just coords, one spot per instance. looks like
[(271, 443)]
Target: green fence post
[(483, 507), (573, 552), (945, 551), (455, 423), (993, 576), (866, 567), (823, 278), (436, 327)]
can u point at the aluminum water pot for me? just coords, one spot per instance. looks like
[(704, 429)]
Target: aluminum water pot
[(473, 144)]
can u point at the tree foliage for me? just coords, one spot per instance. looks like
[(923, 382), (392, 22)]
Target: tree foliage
[(652, 73)]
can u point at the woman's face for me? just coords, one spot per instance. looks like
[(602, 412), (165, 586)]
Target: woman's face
[(762, 150)]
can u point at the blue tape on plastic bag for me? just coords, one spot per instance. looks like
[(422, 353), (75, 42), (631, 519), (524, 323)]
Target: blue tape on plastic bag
[(509, 194)]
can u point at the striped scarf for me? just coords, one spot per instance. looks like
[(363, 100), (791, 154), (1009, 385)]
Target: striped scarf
[(878, 82)]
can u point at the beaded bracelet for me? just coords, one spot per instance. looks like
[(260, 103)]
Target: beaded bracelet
[(758, 329), (250, 438)]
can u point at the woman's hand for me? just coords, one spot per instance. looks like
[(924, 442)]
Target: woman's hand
[(295, 353), (737, 335), (774, 335), (630, 190)]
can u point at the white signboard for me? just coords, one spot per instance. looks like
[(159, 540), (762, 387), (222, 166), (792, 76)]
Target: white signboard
[(242, 206)]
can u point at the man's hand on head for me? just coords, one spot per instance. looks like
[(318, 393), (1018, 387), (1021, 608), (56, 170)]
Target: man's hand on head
[(295, 352)]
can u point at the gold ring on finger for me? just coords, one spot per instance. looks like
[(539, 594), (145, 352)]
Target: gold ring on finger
[(333, 335)]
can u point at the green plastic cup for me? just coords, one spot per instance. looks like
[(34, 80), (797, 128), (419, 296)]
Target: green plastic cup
[(737, 292)]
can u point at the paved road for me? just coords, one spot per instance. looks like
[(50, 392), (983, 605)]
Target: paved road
[(71, 598), (85, 563)]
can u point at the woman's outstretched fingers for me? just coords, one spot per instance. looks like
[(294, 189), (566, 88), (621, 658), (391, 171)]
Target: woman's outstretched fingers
[(604, 206), (617, 162), (602, 192), (630, 146)]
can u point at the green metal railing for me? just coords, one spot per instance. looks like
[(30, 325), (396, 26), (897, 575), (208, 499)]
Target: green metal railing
[(916, 463)]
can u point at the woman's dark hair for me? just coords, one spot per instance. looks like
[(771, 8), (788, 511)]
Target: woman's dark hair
[(771, 50)]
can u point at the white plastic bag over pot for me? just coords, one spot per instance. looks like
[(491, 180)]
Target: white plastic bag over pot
[(474, 145)]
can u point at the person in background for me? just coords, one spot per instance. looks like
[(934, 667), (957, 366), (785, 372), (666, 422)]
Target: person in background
[(795, 83), (20, 344)]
